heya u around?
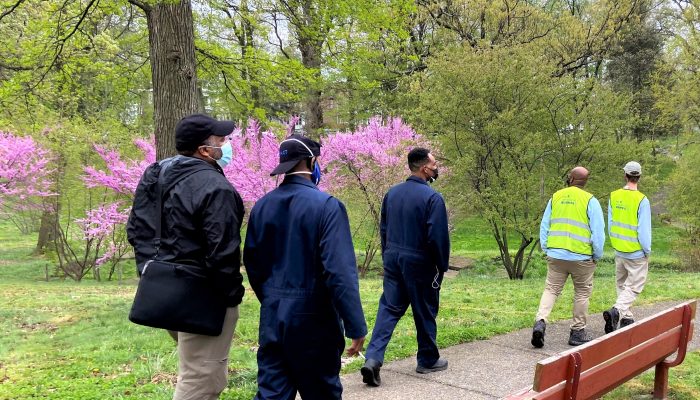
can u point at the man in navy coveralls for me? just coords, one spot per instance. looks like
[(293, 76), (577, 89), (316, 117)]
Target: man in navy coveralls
[(415, 248), (301, 264)]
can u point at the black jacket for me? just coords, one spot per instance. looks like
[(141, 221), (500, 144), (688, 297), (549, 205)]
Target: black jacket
[(202, 215)]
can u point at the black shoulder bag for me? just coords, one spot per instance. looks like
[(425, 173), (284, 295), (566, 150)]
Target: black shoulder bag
[(174, 296)]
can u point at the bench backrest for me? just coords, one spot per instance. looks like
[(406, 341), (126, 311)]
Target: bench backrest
[(608, 361)]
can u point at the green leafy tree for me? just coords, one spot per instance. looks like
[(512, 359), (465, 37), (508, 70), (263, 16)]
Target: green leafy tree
[(631, 66), (512, 130), (677, 92)]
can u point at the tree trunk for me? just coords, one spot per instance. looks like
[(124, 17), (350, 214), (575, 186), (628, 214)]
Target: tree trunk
[(52, 207), (311, 58), (311, 39), (501, 236), (46, 231), (247, 43), (173, 65)]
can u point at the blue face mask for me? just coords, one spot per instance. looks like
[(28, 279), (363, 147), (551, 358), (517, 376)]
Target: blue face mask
[(316, 174), (226, 155)]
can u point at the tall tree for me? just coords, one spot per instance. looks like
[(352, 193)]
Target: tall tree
[(70, 34), (173, 66), (632, 64), (311, 22)]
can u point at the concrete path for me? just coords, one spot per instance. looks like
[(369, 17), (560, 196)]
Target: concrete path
[(486, 369)]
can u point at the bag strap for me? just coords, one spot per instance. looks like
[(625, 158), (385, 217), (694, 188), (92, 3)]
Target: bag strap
[(159, 204)]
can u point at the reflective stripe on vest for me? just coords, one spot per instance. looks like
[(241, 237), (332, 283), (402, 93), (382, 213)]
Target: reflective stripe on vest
[(569, 228), (624, 205)]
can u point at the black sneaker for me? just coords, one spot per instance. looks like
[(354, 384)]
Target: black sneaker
[(611, 317), (440, 365), (626, 321), (577, 338), (370, 372), (538, 334)]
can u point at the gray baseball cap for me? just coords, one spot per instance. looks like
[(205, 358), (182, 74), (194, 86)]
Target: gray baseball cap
[(633, 168)]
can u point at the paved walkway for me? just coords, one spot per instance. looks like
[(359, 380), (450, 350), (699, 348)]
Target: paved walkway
[(485, 369)]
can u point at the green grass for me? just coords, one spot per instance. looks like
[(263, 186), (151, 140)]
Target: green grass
[(684, 383), (67, 340)]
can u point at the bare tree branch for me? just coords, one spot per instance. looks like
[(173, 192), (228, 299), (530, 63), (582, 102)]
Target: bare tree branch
[(143, 6), (62, 42)]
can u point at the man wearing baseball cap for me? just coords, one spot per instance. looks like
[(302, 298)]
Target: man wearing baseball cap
[(200, 219), (301, 264), (629, 226)]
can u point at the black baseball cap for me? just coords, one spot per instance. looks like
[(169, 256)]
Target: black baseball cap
[(293, 149), (194, 129)]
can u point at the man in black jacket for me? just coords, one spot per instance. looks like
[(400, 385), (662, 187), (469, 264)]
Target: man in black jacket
[(201, 221)]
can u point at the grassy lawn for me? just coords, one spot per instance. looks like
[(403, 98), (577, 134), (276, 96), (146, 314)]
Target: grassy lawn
[(684, 383), (66, 340)]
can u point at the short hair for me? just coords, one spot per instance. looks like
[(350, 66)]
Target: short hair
[(633, 178), (417, 158)]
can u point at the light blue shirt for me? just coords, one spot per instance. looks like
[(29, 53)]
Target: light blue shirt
[(596, 223), (643, 230)]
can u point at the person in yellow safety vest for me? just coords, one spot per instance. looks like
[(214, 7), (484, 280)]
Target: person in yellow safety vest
[(629, 226), (572, 234)]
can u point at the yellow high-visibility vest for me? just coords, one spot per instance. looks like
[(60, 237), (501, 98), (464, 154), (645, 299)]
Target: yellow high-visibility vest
[(624, 204), (569, 227)]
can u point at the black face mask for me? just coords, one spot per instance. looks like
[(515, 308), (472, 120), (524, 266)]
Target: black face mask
[(435, 175)]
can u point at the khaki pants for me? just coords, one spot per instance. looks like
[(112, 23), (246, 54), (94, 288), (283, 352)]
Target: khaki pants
[(203, 372), (582, 276), (631, 277)]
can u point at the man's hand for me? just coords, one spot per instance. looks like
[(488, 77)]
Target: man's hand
[(356, 346)]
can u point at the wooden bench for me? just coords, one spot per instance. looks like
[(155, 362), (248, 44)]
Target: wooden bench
[(597, 367)]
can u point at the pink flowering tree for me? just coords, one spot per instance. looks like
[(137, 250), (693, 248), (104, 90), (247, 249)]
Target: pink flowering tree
[(99, 238), (25, 178), (121, 176), (255, 155), (361, 166)]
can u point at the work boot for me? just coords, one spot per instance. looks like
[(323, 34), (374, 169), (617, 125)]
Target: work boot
[(538, 334), (440, 365), (626, 321), (577, 338), (611, 317), (370, 372)]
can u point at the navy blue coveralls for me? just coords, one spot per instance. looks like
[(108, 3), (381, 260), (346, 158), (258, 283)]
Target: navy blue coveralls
[(415, 248), (301, 264)]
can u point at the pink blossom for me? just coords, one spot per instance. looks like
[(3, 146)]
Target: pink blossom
[(122, 176), (24, 171), (373, 156), (292, 124), (100, 223), (255, 155)]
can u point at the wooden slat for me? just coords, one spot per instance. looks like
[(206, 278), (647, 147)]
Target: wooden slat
[(522, 394), (551, 371)]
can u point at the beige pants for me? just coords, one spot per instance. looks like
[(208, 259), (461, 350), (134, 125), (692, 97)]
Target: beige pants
[(631, 277), (203, 372), (582, 276)]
